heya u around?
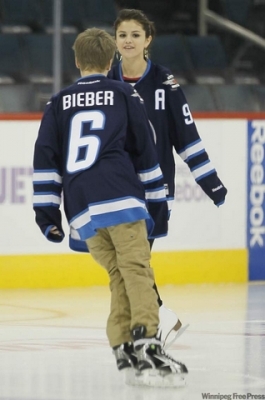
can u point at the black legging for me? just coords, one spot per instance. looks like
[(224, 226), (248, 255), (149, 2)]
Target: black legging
[(159, 300)]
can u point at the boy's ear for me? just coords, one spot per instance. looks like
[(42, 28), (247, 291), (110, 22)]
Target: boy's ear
[(77, 63), (110, 64)]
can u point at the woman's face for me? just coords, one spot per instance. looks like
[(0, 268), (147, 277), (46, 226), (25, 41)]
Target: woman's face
[(131, 39)]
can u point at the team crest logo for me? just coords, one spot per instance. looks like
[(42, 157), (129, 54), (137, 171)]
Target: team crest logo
[(171, 80)]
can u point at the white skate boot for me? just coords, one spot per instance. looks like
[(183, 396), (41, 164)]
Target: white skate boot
[(170, 327)]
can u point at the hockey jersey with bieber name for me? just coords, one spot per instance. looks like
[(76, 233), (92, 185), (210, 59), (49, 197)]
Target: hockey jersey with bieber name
[(174, 128), (95, 147)]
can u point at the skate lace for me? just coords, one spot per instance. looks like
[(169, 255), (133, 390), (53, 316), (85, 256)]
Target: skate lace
[(163, 353)]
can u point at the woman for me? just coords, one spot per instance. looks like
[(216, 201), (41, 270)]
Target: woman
[(167, 109)]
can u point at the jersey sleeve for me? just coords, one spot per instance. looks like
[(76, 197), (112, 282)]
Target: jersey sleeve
[(141, 147), (188, 144), (47, 177)]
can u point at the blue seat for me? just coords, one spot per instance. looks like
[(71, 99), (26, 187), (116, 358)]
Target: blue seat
[(99, 13), (79, 14), (21, 16), (12, 61), (170, 51), (72, 14), (256, 17), (38, 51), (236, 10), (208, 58), (70, 71)]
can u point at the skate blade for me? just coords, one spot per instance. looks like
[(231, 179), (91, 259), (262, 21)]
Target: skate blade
[(173, 336), (131, 377), (153, 378)]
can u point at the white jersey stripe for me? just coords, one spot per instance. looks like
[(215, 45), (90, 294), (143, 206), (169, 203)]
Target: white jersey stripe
[(159, 194), (192, 151), (74, 234), (149, 176), (46, 199), (116, 205), (205, 169), (81, 220), (104, 208), (43, 177)]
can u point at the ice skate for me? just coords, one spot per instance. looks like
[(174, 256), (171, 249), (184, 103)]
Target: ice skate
[(127, 362), (170, 327), (125, 356), (154, 367)]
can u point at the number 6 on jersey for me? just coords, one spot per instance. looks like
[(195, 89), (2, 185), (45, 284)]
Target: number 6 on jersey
[(89, 144)]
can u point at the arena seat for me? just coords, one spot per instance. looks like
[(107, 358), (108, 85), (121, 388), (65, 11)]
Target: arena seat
[(170, 51), (21, 16), (38, 51), (12, 60), (208, 58)]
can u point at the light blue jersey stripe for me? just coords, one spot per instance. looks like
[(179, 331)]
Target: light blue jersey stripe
[(114, 218), (104, 208)]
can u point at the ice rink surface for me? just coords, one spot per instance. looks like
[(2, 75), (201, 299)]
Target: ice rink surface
[(53, 344)]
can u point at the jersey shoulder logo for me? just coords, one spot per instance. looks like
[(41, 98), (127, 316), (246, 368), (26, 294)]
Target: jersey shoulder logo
[(171, 80)]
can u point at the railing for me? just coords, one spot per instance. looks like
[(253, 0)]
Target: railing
[(57, 45), (209, 17)]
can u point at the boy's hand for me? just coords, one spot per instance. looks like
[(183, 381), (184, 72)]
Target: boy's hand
[(55, 231)]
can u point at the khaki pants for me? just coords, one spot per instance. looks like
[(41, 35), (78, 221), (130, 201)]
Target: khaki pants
[(124, 251)]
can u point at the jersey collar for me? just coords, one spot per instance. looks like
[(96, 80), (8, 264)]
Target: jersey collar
[(142, 77), (91, 76)]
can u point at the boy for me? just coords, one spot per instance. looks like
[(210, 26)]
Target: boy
[(93, 140)]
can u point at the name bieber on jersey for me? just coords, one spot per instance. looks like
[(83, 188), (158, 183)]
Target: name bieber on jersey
[(88, 99)]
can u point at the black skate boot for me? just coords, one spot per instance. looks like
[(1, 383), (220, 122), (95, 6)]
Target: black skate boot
[(125, 356), (155, 367)]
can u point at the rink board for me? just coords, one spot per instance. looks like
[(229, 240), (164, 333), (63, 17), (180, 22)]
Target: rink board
[(204, 244), (67, 270)]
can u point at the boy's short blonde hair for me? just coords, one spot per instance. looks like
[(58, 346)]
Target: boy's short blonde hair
[(94, 48)]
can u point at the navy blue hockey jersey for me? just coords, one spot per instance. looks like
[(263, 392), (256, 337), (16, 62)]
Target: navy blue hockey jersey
[(95, 146), (174, 127)]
